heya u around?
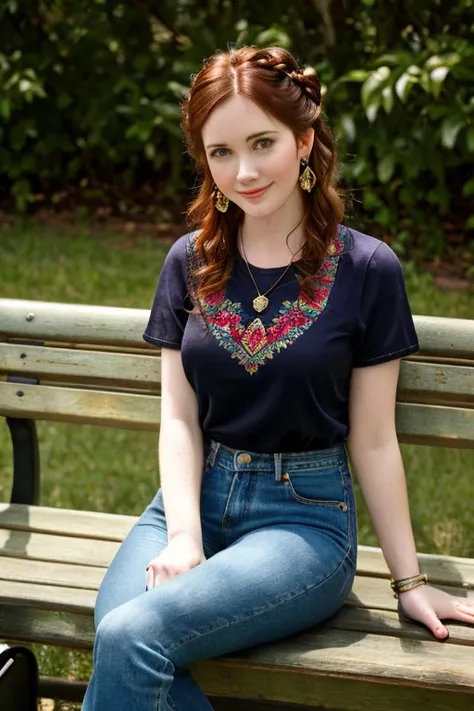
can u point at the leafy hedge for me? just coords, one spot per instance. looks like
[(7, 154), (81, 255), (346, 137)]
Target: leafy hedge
[(90, 93)]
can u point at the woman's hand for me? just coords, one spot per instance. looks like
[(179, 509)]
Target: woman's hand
[(180, 555), (429, 605)]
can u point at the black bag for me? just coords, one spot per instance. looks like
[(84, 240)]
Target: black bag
[(18, 679)]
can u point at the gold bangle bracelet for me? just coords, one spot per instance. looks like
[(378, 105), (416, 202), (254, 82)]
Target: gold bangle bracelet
[(397, 585), (402, 581), (422, 580)]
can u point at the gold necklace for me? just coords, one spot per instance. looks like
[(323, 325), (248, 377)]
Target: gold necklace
[(261, 301)]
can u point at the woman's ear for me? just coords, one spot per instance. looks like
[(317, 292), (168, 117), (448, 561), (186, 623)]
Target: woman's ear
[(305, 143)]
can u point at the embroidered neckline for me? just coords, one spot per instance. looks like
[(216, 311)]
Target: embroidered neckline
[(252, 344)]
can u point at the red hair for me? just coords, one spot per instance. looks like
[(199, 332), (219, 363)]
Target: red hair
[(272, 79)]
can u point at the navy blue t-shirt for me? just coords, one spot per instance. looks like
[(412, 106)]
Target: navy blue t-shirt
[(279, 381)]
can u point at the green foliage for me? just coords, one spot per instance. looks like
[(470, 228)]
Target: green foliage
[(90, 94), (411, 127)]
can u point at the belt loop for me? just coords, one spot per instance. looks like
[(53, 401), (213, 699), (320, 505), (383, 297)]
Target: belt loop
[(277, 458), (215, 446)]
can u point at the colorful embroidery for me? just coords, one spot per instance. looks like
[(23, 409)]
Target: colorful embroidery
[(253, 344)]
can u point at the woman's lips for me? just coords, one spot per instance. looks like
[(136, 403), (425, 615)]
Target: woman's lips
[(254, 193)]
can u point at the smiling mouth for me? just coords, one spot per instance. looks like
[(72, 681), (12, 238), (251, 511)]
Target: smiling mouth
[(255, 193)]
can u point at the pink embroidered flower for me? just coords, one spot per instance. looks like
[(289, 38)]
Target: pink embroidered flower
[(293, 319), (236, 334), (224, 318), (321, 294)]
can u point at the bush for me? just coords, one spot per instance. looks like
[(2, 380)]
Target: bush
[(90, 94), (410, 121)]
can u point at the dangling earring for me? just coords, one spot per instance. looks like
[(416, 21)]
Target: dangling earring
[(222, 202), (307, 177)]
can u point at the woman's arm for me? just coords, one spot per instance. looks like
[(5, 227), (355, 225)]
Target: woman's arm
[(181, 465), (375, 454), (180, 449)]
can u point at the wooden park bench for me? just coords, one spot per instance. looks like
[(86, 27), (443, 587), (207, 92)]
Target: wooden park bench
[(87, 364)]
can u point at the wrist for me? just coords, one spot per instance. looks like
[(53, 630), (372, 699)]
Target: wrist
[(182, 532)]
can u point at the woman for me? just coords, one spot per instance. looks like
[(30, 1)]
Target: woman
[(281, 335)]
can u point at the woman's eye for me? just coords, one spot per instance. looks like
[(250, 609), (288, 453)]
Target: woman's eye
[(264, 143), (219, 152)]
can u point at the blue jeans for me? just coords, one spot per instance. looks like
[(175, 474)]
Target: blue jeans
[(280, 539)]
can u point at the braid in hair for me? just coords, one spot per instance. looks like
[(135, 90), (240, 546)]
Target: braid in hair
[(309, 82), (306, 79)]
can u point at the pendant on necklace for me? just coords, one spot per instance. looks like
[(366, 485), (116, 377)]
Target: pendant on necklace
[(260, 303)]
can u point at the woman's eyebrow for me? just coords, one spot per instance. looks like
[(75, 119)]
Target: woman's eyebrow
[(249, 138)]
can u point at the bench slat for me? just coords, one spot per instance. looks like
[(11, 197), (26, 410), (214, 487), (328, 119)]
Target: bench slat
[(435, 425), (348, 653), (432, 384), (373, 593), (88, 573), (47, 597), (367, 592), (334, 651), (451, 337), (22, 570), (428, 381), (361, 619), (66, 629), (443, 570), (76, 631), (68, 522), (378, 615), (77, 323), (333, 692), (427, 424), (124, 369), (240, 675), (73, 323), (57, 549), (108, 409)]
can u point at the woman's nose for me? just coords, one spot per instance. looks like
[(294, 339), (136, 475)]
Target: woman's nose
[(247, 171)]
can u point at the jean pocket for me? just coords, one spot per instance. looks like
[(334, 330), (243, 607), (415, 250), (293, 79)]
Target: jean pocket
[(317, 487)]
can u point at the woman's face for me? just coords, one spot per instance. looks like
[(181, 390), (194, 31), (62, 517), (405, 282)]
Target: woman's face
[(253, 158)]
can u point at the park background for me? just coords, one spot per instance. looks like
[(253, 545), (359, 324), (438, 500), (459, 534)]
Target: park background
[(94, 183)]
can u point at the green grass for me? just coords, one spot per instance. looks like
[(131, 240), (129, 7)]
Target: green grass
[(102, 469)]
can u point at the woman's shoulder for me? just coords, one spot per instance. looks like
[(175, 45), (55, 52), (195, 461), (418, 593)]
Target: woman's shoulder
[(180, 255), (180, 248), (363, 250)]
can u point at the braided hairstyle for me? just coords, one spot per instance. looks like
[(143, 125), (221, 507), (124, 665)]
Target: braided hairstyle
[(272, 79)]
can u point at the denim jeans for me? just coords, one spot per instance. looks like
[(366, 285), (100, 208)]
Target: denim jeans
[(280, 539)]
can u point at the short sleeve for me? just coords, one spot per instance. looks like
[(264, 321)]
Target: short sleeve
[(168, 314), (385, 326)]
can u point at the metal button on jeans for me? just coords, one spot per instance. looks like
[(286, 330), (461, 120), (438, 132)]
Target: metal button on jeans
[(244, 458)]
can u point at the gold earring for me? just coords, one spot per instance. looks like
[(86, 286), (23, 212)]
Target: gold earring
[(307, 177), (222, 202)]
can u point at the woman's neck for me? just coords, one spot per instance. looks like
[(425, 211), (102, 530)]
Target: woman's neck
[(274, 240)]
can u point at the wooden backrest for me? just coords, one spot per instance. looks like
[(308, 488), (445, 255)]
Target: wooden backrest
[(89, 364)]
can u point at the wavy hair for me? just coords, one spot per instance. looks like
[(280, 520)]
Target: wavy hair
[(272, 79)]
